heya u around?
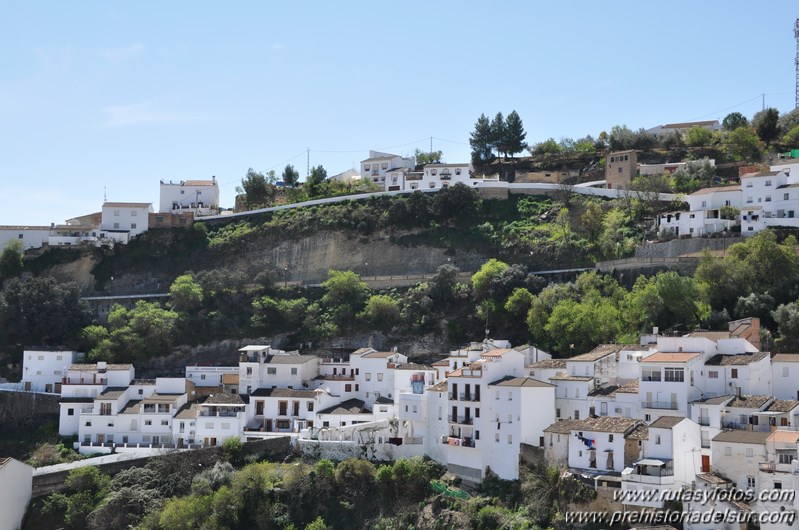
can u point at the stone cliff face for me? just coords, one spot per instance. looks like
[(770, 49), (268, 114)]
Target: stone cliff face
[(304, 259)]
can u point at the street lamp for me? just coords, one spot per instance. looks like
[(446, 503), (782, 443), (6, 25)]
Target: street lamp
[(366, 268), (285, 276)]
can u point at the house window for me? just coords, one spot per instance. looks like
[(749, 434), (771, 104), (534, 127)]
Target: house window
[(768, 183), (727, 451), (621, 170), (768, 198), (785, 457), (432, 184), (384, 165), (202, 377), (116, 213), (576, 414), (148, 422), (733, 373), (164, 422), (368, 376), (249, 370), (310, 406), (713, 374), (116, 226), (510, 438), (357, 387), (785, 196), (674, 375), (88, 424), (657, 439), (704, 204), (784, 371), (496, 437), (347, 388), (133, 226), (610, 437), (557, 413), (70, 412), (271, 370), (293, 371), (20, 236), (134, 213), (367, 167), (750, 482), (379, 376), (777, 485)]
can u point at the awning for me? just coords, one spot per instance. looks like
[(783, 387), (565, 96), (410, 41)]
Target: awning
[(650, 462)]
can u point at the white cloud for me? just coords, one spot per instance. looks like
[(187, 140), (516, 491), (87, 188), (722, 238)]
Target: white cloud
[(115, 54)]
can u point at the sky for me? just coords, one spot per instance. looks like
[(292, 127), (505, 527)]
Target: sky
[(105, 99)]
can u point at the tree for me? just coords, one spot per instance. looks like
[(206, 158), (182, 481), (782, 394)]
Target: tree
[(318, 175), (290, 176), (423, 158), (787, 318), (621, 138), (698, 137), (547, 147), (481, 141), (457, 202), (255, 189), (743, 144), (11, 260), (142, 332), (789, 120), (344, 297), (186, 295), (733, 120), (482, 280), (766, 124), (791, 138), (498, 134), (514, 135), (381, 312)]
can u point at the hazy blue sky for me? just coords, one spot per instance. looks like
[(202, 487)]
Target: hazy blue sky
[(98, 95)]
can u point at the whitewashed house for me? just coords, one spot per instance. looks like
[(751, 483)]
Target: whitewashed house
[(261, 366), (200, 197), (784, 375), (16, 485), (704, 215), (778, 480), (556, 442), (43, 370), (221, 416), (285, 410), (28, 236), (667, 383), (203, 376), (601, 446), (737, 456), (716, 498), (378, 166), (122, 221), (437, 176), (708, 414), (670, 460)]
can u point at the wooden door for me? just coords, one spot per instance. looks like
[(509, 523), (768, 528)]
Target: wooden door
[(705, 463)]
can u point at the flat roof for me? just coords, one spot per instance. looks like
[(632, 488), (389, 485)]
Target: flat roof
[(705, 191), (128, 204), (786, 358), (664, 357), (790, 437)]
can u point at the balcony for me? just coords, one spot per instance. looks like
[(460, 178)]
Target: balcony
[(469, 397), (461, 420), (453, 440), (767, 467), (219, 414), (705, 422), (662, 405)]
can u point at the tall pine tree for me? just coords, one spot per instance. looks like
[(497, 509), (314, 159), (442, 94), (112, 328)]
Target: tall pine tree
[(480, 140), (513, 141), (498, 133)]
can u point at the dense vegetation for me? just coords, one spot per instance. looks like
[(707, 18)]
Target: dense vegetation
[(174, 494)]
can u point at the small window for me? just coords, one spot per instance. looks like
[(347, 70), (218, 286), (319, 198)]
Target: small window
[(367, 167), (347, 388), (134, 213), (379, 376), (88, 424), (657, 440), (510, 438), (734, 373), (116, 213), (496, 437), (713, 374), (164, 422), (727, 450), (294, 371), (271, 370), (133, 226), (148, 422), (768, 183), (367, 376), (784, 371), (750, 482), (785, 196), (610, 437), (116, 226), (70, 412), (432, 185), (749, 452)]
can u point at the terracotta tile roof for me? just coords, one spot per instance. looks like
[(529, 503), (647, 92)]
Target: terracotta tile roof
[(608, 424), (666, 422), (742, 359), (361, 351), (379, 354), (525, 382), (663, 357), (608, 390), (438, 387), (786, 358), (498, 352), (641, 432), (441, 363), (782, 405), (224, 399), (563, 426), (742, 437), (413, 366), (603, 350), (128, 204), (705, 191), (91, 367), (712, 478), (710, 335), (551, 363), (189, 411), (717, 400), (230, 379), (790, 437), (748, 402), (630, 387)]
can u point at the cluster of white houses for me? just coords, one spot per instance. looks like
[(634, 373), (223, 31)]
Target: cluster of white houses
[(761, 200), (118, 222), (660, 416)]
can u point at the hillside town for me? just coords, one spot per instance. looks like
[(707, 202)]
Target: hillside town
[(638, 422)]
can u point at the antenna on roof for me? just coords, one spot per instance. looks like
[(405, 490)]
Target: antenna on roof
[(105, 195)]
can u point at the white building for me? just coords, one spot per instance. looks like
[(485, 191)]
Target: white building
[(784, 375), (349, 176), (600, 446), (209, 375), (704, 216), (28, 236), (265, 367), (16, 485), (221, 416), (198, 196), (378, 166), (43, 370), (779, 473), (122, 221), (737, 456), (669, 461)]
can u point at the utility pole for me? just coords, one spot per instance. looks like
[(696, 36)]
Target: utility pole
[(431, 145), (764, 101), (307, 163), (796, 34)]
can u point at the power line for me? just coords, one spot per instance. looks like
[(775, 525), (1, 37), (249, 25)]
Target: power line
[(273, 167), (714, 113), (373, 148), (450, 141)]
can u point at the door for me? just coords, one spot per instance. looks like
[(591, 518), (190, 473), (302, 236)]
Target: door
[(705, 463), (268, 425), (101, 438)]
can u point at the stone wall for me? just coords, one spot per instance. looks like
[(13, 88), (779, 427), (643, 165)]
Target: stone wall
[(271, 449), (678, 247)]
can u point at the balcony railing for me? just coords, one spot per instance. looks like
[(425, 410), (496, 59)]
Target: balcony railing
[(462, 420), (663, 405), (768, 467), (453, 440), (469, 397)]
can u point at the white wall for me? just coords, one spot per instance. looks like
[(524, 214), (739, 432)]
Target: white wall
[(134, 219), (16, 484), (42, 368), (32, 237), (209, 375), (182, 195), (784, 380)]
